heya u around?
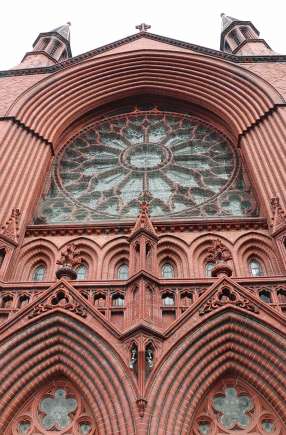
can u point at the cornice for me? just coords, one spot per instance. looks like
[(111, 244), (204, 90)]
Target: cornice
[(161, 227), (192, 47)]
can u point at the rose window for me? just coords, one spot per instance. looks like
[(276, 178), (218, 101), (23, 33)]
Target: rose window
[(189, 168)]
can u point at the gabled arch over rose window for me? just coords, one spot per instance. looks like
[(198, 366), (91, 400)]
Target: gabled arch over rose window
[(189, 168)]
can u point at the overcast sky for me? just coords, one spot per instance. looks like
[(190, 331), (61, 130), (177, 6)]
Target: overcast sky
[(95, 23)]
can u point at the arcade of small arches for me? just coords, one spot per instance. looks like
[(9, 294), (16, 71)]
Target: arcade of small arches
[(252, 256)]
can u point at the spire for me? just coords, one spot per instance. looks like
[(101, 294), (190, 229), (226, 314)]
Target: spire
[(49, 48), (241, 38), (226, 21), (63, 31)]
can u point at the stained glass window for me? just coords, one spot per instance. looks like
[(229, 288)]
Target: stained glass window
[(82, 272), (168, 300), (208, 268), (233, 409), (167, 271), (189, 168), (39, 272), (268, 425), (122, 272), (255, 267), (118, 301), (57, 410)]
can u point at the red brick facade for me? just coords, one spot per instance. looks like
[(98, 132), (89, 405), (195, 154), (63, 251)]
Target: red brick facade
[(190, 353)]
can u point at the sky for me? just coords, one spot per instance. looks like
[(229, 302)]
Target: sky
[(95, 23)]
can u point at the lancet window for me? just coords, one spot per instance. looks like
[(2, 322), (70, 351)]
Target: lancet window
[(189, 168), (39, 272), (82, 272), (208, 268), (122, 271), (167, 271), (255, 267)]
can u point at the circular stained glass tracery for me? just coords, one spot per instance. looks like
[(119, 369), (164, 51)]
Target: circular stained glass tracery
[(189, 169)]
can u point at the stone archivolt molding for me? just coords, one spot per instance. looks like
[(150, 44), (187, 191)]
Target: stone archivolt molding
[(58, 346), (55, 340), (250, 90), (58, 407), (222, 345)]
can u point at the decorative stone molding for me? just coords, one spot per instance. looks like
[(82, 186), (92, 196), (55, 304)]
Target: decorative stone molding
[(226, 297), (60, 299)]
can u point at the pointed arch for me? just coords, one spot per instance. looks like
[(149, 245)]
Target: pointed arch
[(235, 94), (229, 341), (59, 344), (34, 253)]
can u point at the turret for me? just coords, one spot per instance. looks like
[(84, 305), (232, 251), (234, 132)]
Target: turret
[(49, 48), (242, 38)]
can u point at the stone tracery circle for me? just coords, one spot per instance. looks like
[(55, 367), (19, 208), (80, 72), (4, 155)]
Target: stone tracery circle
[(189, 168)]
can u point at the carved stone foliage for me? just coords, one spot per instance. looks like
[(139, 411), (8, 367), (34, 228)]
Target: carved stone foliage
[(218, 252), (57, 408), (234, 407), (69, 260), (219, 255), (227, 296), (61, 298)]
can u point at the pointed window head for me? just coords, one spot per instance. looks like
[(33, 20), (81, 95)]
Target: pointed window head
[(255, 267), (167, 271), (39, 272), (122, 272)]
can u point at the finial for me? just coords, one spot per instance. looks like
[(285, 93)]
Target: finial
[(144, 201), (70, 258), (143, 27), (219, 255)]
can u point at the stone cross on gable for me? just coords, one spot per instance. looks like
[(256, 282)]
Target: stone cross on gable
[(143, 27)]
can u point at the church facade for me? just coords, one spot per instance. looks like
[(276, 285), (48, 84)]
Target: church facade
[(143, 237)]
